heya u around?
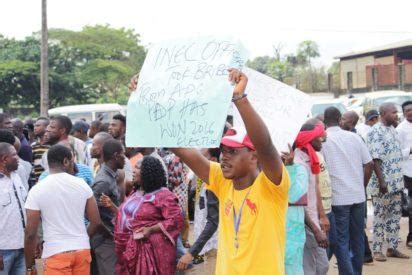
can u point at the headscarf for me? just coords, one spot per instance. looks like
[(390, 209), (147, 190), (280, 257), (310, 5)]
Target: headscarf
[(303, 141)]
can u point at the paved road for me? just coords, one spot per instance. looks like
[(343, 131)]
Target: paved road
[(391, 267)]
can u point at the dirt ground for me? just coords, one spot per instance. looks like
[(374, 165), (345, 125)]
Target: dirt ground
[(392, 266)]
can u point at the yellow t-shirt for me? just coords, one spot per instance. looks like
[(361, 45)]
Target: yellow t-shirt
[(262, 230)]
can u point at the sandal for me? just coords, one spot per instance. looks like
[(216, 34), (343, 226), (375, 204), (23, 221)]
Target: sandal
[(378, 256), (394, 253)]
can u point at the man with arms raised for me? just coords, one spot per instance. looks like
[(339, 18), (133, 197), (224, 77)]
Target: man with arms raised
[(253, 202)]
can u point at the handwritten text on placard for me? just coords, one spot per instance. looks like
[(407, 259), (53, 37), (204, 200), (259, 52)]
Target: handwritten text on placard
[(183, 93)]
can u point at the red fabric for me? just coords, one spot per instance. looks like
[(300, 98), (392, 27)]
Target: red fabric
[(303, 141), (157, 254)]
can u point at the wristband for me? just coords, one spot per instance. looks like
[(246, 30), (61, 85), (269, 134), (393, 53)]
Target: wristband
[(234, 99)]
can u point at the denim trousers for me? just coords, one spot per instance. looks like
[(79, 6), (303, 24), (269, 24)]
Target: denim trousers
[(331, 235), (13, 261), (350, 244)]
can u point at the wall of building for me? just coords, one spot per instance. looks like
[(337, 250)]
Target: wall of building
[(358, 68), (387, 75), (387, 60), (408, 71)]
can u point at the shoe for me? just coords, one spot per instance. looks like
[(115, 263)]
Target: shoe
[(198, 260), (368, 259), (394, 253), (409, 243), (378, 256)]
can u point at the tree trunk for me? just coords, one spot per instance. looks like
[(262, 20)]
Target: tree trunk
[(44, 66)]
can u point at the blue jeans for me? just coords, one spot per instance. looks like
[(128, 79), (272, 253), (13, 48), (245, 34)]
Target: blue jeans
[(332, 235), (14, 263), (350, 245)]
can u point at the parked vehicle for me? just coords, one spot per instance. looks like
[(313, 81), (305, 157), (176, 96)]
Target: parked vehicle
[(356, 105), (374, 99), (321, 104), (89, 112)]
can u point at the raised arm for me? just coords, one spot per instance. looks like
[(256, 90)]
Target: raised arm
[(268, 156), (195, 160)]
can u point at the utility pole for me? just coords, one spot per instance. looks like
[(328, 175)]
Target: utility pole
[(44, 66)]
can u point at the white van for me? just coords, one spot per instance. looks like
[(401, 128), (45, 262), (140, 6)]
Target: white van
[(89, 112)]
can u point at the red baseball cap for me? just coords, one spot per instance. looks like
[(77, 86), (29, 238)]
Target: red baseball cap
[(237, 138)]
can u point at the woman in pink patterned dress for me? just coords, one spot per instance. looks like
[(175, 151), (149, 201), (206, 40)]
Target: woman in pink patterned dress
[(148, 225)]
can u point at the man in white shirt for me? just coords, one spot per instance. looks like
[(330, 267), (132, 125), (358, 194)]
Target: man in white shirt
[(371, 118), (350, 167), (12, 216), (61, 200), (404, 130)]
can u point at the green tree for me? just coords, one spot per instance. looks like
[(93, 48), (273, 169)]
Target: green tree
[(307, 50), (280, 70), (106, 58), (88, 66), (260, 64)]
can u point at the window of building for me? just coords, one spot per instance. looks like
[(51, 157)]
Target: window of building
[(349, 80), (374, 79)]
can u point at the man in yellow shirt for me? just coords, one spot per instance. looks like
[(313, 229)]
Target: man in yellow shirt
[(252, 185)]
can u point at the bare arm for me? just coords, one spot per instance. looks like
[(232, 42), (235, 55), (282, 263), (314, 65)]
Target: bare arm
[(195, 160), (105, 201), (320, 236), (92, 213), (383, 188), (259, 134), (367, 172), (30, 236)]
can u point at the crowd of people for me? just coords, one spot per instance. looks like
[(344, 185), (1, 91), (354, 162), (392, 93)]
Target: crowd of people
[(76, 197)]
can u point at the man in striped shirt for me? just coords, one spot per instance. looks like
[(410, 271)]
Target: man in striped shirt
[(350, 167), (39, 147)]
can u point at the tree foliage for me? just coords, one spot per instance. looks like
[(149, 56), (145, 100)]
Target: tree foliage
[(307, 50), (296, 69), (87, 66)]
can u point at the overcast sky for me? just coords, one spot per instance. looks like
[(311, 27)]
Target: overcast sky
[(337, 26)]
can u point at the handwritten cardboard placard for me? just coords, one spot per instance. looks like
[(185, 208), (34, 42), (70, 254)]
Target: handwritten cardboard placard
[(183, 93), (283, 108)]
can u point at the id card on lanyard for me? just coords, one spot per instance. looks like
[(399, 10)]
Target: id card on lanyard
[(237, 218)]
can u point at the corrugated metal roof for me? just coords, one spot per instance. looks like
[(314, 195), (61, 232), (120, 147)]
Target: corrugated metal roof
[(396, 45)]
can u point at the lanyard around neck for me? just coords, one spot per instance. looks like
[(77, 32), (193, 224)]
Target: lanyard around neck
[(237, 218)]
